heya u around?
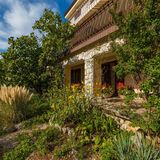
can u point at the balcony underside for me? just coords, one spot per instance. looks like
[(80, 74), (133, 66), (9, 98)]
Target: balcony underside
[(94, 38), (99, 25)]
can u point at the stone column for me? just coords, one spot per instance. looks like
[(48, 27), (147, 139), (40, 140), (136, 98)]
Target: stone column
[(89, 76)]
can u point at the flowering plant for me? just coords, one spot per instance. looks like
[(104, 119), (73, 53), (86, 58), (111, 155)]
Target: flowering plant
[(107, 90)]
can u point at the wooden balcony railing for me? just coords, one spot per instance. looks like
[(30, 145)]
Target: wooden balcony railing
[(99, 22)]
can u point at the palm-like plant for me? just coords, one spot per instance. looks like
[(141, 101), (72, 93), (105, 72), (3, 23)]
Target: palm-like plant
[(140, 149), (145, 150), (123, 147)]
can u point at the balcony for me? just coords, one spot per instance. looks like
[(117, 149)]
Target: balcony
[(98, 25), (85, 10)]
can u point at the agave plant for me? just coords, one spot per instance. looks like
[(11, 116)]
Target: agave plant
[(138, 149), (123, 147), (146, 150)]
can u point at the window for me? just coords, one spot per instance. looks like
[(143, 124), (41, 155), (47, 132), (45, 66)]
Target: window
[(76, 76), (106, 74)]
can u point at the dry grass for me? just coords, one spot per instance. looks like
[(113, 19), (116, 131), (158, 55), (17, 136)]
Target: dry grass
[(14, 95), (13, 104)]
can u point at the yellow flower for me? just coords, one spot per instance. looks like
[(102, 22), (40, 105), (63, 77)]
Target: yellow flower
[(70, 98)]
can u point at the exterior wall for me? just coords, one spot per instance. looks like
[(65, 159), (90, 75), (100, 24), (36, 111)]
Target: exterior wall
[(92, 65), (92, 59), (84, 8)]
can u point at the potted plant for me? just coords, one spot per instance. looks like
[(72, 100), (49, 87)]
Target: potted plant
[(107, 91)]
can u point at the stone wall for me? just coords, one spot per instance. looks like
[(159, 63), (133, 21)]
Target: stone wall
[(92, 59), (87, 57)]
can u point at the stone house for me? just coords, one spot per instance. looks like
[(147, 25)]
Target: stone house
[(90, 60)]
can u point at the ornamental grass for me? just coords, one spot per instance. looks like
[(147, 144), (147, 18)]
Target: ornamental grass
[(14, 104)]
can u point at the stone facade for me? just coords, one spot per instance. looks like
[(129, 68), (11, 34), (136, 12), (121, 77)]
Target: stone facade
[(91, 59), (90, 46)]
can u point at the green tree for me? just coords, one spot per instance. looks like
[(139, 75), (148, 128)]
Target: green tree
[(21, 62), (55, 42), (36, 62), (140, 53), (2, 74)]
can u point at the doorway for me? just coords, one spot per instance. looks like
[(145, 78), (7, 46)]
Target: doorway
[(109, 78)]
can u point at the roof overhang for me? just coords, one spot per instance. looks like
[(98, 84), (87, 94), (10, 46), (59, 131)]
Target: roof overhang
[(75, 4)]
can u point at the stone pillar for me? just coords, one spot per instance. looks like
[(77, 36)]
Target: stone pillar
[(89, 76)]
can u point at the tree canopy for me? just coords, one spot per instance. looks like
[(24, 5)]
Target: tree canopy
[(140, 53), (21, 61), (33, 61)]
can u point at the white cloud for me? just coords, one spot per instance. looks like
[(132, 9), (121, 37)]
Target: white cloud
[(19, 18)]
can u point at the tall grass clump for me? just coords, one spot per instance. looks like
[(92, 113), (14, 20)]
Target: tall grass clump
[(14, 104), (127, 146)]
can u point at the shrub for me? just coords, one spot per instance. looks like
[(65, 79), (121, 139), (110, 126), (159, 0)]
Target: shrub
[(73, 109), (129, 94), (107, 150), (14, 104), (70, 105), (22, 150), (37, 106), (46, 139), (40, 119)]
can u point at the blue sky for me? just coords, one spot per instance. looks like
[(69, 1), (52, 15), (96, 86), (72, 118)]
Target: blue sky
[(18, 16)]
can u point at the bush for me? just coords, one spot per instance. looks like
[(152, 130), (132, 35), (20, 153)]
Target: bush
[(22, 150), (40, 119), (14, 104), (69, 105), (37, 106), (46, 140), (73, 109), (17, 104)]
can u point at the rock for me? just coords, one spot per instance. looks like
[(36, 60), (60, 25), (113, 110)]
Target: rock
[(133, 129), (141, 111), (18, 126), (121, 121), (124, 126), (11, 129)]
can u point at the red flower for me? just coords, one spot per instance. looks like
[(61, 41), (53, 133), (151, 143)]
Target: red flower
[(120, 85)]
